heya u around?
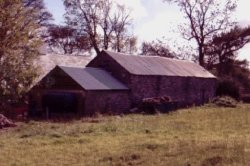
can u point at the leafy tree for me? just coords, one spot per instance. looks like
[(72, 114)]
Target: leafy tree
[(228, 87), (222, 53), (205, 19), (225, 46), (42, 16), (67, 39), (235, 78), (18, 48), (156, 49), (105, 23)]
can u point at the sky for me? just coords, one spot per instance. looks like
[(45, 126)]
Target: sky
[(154, 19)]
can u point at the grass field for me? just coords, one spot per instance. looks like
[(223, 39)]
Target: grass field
[(205, 136)]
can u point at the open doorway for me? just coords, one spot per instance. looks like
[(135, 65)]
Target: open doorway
[(59, 103)]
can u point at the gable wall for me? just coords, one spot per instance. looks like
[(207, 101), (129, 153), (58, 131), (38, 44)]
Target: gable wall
[(57, 79), (105, 62), (55, 82)]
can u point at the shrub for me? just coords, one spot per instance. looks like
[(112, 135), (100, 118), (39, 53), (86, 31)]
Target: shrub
[(245, 98), (228, 88), (225, 101)]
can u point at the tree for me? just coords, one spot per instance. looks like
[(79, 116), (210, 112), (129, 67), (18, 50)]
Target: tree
[(42, 16), (234, 78), (67, 39), (222, 53), (18, 48), (119, 23), (105, 23), (225, 46), (156, 49), (205, 19)]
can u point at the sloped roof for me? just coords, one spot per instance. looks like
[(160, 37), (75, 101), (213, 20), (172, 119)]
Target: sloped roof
[(93, 78), (155, 65)]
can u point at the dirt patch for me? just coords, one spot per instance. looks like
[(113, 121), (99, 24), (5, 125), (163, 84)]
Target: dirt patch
[(217, 160), (124, 160)]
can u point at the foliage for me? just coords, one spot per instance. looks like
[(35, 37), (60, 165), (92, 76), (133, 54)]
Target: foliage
[(222, 58), (245, 98), (67, 39), (234, 76), (238, 70), (224, 46), (156, 48), (41, 15), (105, 24), (205, 19), (225, 101), (195, 136), (18, 48), (228, 88)]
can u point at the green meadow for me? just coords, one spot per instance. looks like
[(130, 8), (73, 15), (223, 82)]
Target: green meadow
[(205, 136)]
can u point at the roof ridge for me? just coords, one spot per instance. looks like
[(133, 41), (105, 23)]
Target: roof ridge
[(149, 56), (85, 67), (155, 65)]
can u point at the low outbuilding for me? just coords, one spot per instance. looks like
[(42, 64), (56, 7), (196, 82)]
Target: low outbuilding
[(79, 91)]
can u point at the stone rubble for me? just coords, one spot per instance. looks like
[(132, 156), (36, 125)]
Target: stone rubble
[(5, 122)]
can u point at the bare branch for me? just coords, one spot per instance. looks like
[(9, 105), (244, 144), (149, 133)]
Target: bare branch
[(206, 18)]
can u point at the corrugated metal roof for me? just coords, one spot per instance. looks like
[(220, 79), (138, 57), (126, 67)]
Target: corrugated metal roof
[(93, 79), (155, 65)]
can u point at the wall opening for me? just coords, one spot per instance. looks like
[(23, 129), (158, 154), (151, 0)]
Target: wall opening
[(59, 103)]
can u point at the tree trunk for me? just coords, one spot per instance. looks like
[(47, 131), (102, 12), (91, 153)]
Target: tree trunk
[(201, 57), (220, 66), (118, 49), (97, 50), (95, 46)]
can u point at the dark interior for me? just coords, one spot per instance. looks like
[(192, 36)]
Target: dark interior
[(60, 102)]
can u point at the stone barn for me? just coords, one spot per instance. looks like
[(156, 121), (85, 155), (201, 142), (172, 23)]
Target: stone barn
[(115, 82)]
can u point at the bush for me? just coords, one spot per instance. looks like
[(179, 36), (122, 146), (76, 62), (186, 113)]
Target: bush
[(228, 88), (245, 98), (225, 101)]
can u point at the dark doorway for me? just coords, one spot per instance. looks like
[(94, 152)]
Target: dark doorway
[(60, 102)]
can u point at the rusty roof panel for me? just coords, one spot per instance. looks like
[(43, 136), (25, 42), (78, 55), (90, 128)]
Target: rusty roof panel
[(93, 79), (155, 65)]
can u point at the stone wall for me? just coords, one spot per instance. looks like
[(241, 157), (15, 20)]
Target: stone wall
[(106, 102), (185, 90)]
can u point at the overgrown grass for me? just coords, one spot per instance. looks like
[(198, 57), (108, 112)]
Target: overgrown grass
[(204, 136)]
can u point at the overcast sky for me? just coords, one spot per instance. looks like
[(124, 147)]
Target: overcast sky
[(153, 19)]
